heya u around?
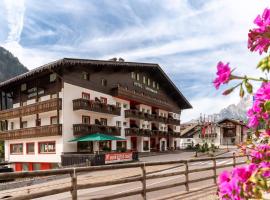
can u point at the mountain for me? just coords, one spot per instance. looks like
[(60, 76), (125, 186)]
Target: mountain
[(10, 66), (235, 111)]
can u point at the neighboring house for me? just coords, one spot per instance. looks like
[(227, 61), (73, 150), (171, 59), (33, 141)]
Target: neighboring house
[(44, 109), (224, 132)]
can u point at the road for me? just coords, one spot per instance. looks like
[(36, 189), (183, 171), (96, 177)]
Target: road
[(123, 188)]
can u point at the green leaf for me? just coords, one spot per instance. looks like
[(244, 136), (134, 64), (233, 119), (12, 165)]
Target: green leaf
[(267, 105), (249, 87), (241, 92)]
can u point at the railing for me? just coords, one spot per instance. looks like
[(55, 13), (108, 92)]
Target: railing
[(209, 135), (75, 186), (132, 113), (148, 133), (140, 97), (85, 129), (35, 108), (39, 131), (84, 104)]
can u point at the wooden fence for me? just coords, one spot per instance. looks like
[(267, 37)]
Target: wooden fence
[(75, 186)]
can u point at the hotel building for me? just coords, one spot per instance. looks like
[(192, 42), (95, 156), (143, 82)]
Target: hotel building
[(44, 109)]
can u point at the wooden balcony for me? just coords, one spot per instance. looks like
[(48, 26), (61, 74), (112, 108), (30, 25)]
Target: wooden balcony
[(124, 93), (33, 132), (132, 113), (149, 133), (85, 129), (84, 104), (39, 107)]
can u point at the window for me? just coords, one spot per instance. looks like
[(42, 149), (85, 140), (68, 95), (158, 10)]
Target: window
[(143, 110), (144, 79), (30, 148), (53, 96), (103, 121), (85, 76), (133, 75), (23, 103), (148, 126), (118, 123), (137, 76), (86, 95), (118, 105), (125, 105), (52, 77), (157, 86), (148, 81), (24, 124), (38, 122), (124, 123), (145, 145), (16, 148), (103, 82), (11, 125), (143, 126), (154, 84), (103, 100), (174, 127), (54, 120), (86, 119), (148, 111), (23, 87), (121, 146), (46, 147)]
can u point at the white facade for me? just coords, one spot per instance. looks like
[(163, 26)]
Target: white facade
[(68, 117)]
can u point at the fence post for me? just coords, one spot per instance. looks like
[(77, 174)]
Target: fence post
[(234, 159), (186, 175), (143, 181), (73, 184), (215, 170)]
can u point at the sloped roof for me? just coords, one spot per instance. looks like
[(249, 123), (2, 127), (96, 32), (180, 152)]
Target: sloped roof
[(65, 62), (187, 130), (232, 120)]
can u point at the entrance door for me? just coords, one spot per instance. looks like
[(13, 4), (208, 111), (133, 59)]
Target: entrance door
[(163, 146), (133, 141), (153, 144)]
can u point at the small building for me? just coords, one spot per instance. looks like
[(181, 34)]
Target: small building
[(232, 132), (224, 132)]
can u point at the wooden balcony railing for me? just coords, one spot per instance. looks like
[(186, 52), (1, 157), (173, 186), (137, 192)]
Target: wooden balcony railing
[(132, 113), (39, 107), (84, 104), (140, 97), (148, 133), (85, 129), (33, 132)]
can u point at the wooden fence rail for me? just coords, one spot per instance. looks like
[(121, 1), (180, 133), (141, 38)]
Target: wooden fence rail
[(75, 186)]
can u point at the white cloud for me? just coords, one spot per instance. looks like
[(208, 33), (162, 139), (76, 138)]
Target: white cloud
[(185, 39)]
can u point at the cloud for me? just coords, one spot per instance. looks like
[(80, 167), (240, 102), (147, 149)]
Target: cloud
[(186, 37)]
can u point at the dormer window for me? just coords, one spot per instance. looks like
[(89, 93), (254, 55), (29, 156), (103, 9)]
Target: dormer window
[(85, 76), (23, 87), (103, 82), (137, 76), (133, 75), (148, 81), (52, 77)]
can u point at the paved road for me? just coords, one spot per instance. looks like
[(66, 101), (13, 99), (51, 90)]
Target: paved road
[(117, 189)]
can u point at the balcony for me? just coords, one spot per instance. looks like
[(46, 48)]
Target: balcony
[(84, 104), (85, 129), (35, 108), (33, 132), (141, 98), (149, 133), (150, 117)]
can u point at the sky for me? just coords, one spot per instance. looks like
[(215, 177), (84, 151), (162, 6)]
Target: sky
[(185, 37)]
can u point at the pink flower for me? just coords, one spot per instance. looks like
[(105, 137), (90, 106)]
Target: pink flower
[(259, 38), (223, 74)]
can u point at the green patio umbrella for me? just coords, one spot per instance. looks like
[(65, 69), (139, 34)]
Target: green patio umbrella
[(95, 138)]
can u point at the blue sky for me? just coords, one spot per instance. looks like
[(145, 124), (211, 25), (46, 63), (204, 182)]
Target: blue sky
[(186, 37)]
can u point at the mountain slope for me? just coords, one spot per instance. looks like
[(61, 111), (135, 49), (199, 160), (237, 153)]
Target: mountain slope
[(235, 111), (10, 66)]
